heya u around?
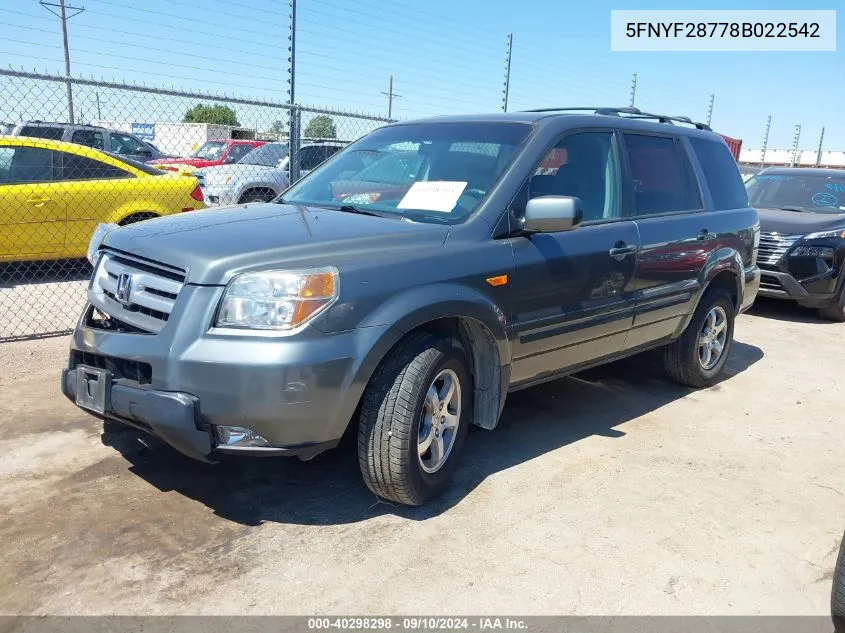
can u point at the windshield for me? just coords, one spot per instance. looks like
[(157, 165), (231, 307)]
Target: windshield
[(435, 172), (798, 192), (267, 155), (212, 150)]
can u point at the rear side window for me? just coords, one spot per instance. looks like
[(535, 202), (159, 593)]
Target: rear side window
[(25, 164), (43, 131), (661, 174), (721, 173), (89, 138), (83, 168)]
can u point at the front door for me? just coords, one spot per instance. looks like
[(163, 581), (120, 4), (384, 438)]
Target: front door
[(32, 207), (573, 296)]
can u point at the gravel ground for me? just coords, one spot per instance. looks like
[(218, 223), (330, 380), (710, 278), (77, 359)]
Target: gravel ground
[(613, 492)]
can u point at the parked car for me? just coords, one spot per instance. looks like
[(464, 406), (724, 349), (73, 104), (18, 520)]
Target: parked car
[(268, 330), (211, 153), (53, 194), (260, 175), (113, 141), (802, 244), (837, 591)]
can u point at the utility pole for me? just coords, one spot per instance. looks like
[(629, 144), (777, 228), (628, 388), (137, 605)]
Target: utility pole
[(819, 155), (765, 141), (633, 90), (710, 109), (293, 125), (795, 140), (64, 17), (390, 95), (99, 115), (506, 91)]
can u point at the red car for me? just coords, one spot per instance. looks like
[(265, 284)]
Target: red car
[(211, 153)]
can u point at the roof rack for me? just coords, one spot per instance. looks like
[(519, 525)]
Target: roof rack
[(633, 113), (65, 123)]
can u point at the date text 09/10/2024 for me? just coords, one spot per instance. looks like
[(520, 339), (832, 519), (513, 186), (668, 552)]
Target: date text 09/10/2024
[(422, 623)]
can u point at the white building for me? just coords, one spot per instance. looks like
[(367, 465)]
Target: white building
[(178, 139)]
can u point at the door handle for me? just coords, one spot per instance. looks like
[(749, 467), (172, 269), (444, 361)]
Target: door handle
[(706, 235), (621, 250)]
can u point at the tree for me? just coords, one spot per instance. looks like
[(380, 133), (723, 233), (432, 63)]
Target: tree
[(321, 126), (278, 127), (217, 114)]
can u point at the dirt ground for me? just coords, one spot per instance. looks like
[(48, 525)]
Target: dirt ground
[(613, 492)]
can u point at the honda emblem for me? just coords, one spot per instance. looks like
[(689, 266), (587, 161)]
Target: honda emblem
[(124, 288)]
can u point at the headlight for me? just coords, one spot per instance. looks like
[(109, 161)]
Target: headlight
[(277, 299), (825, 252), (835, 233), (97, 240)]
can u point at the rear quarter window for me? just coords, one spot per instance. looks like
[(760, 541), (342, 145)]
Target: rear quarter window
[(721, 173), (43, 131)]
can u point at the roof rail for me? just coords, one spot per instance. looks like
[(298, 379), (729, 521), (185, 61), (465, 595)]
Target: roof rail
[(633, 113)]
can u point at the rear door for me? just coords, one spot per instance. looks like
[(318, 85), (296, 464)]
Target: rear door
[(32, 205), (89, 138), (677, 236), (573, 292)]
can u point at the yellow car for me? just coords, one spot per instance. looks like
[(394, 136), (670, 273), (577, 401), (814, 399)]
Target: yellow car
[(54, 194)]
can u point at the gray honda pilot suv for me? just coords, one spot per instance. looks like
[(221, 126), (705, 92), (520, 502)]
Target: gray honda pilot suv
[(497, 253)]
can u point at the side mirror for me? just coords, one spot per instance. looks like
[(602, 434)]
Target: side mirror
[(551, 214)]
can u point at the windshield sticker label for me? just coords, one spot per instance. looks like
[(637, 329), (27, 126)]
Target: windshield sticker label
[(825, 199), (435, 195), (834, 186)]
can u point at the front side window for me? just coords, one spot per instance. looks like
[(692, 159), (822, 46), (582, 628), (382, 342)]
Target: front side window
[(662, 178), (211, 150), (124, 144), (76, 167), (798, 192), (237, 152), (267, 155), (89, 138), (584, 165), (447, 189), (25, 165)]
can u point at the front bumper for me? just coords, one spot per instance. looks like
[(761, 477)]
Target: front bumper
[(297, 392), (815, 292), (751, 286), (219, 197)]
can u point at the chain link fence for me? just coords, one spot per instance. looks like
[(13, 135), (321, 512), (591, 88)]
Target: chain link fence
[(132, 153)]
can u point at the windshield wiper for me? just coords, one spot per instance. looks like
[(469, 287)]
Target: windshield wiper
[(796, 209), (349, 208)]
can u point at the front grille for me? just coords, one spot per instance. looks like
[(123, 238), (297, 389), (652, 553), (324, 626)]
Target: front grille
[(121, 368), (773, 246), (149, 296)]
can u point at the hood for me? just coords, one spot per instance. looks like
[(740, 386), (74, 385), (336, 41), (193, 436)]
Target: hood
[(798, 223), (193, 162), (213, 245)]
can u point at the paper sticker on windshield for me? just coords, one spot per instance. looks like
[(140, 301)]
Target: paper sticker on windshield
[(435, 195)]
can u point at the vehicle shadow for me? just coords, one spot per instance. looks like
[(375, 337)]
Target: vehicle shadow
[(786, 311), (329, 490), (19, 273)]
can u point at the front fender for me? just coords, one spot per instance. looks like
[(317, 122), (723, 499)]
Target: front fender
[(416, 306)]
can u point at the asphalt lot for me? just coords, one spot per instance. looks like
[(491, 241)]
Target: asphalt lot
[(613, 492)]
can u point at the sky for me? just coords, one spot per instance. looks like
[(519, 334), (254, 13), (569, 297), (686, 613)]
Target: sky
[(446, 56)]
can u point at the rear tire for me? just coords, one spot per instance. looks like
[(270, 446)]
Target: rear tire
[(685, 360), (408, 444), (837, 592), (833, 312)]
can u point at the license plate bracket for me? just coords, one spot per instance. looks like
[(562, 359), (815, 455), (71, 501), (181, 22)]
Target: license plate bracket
[(93, 387)]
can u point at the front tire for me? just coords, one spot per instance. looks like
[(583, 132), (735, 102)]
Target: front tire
[(697, 358), (837, 592), (414, 418), (833, 312)]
